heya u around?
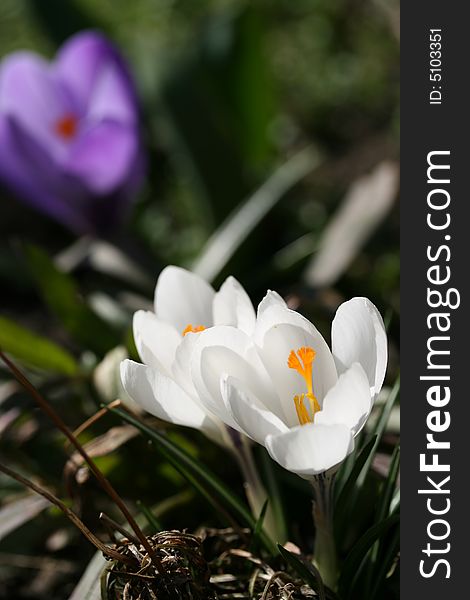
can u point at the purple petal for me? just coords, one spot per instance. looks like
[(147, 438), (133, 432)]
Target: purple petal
[(97, 77), (102, 156), (30, 95), (31, 174), (69, 139)]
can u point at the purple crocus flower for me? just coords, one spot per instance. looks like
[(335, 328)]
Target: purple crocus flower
[(69, 133)]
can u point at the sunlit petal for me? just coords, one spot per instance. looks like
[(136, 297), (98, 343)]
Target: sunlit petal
[(358, 335), (311, 449), (183, 298)]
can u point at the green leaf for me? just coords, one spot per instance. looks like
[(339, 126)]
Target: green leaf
[(380, 428), (206, 482), (89, 586), (388, 490), (259, 525), (344, 492), (205, 148), (61, 295), (383, 509), (352, 566), (244, 81), (347, 503), (308, 573), (395, 503), (274, 494), (385, 563), (35, 350), (16, 513), (388, 319), (151, 518), (347, 465), (347, 495)]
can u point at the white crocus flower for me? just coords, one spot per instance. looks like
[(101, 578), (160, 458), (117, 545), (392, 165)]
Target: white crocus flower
[(185, 305), (285, 389)]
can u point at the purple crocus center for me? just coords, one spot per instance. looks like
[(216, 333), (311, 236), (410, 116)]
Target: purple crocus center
[(69, 134), (66, 126)]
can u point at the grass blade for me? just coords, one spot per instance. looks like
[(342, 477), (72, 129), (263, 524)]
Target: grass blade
[(367, 203), (385, 564), (259, 526), (197, 475), (18, 512), (34, 350), (354, 561), (388, 491), (223, 244), (151, 518), (308, 573), (380, 428), (347, 499), (275, 496), (89, 586), (383, 509), (344, 492)]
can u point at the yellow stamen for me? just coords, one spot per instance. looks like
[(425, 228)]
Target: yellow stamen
[(314, 405), (190, 329), (302, 361), (302, 412)]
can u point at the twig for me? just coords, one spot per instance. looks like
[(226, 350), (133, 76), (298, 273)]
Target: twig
[(116, 527), (68, 513), (105, 484), (94, 418)]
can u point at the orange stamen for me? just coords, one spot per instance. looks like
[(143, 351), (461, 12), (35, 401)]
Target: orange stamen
[(66, 127), (190, 329), (314, 404), (293, 362), (302, 362), (302, 412)]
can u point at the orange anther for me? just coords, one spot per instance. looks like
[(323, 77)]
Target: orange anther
[(302, 362), (190, 329)]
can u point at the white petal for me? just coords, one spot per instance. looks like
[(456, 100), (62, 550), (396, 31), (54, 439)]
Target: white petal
[(232, 306), (248, 413), (181, 369), (183, 298), (358, 335), (349, 402), (222, 351), (271, 299), (161, 396), (310, 449), (156, 341), (280, 330)]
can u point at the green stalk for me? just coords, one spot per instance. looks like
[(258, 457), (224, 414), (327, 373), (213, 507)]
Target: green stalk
[(254, 489), (324, 555)]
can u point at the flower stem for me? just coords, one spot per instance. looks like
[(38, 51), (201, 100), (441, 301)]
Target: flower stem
[(324, 555), (254, 489)]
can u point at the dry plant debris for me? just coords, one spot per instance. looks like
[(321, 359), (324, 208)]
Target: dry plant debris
[(213, 565)]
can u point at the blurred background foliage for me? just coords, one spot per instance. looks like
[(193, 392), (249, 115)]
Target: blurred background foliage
[(232, 95)]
